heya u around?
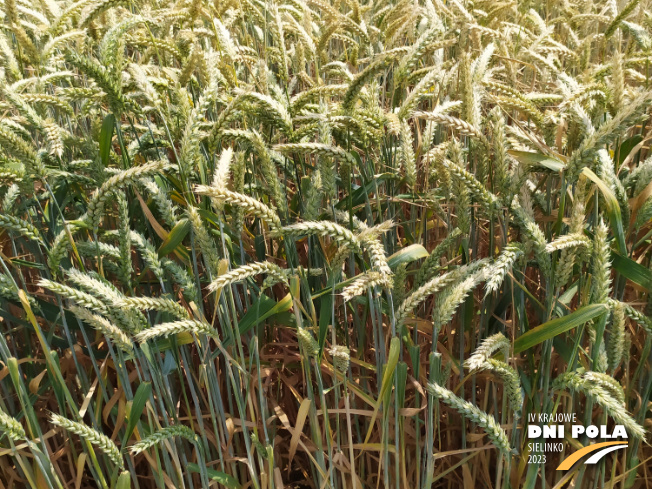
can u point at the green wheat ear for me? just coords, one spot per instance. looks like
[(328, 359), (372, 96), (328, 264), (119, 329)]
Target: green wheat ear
[(495, 433), (98, 439), (11, 427), (164, 434)]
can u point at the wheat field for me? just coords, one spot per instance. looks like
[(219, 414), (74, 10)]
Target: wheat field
[(323, 243)]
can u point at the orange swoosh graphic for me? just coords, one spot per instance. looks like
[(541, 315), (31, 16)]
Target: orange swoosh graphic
[(570, 461)]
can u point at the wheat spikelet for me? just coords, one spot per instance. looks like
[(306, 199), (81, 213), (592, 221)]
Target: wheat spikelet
[(488, 200), (605, 134), (102, 77), (644, 321), (271, 108), (181, 277), (92, 436), (163, 203), (358, 82), (124, 239), (81, 298), (149, 254), (314, 196), (130, 319), (608, 383), (21, 149), (622, 15)]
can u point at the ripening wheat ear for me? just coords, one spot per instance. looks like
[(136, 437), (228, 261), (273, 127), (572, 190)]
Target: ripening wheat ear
[(186, 326), (431, 264), (511, 383), (365, 281), (616, 338), (121, 180), (81, 298), (249, 205), (601, 267), (221, 175), (204, 241), (575, 382), (435, 285), (157, 304), (164, 434), (535, 236), (244, 272), (644, 321), (321, 228), (92, 436), (20, 227), (487, 348), (115, 334), (501, 267), (487, 422)]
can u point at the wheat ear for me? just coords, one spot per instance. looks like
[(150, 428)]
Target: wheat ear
[(11, 427), (164, 434), (111, 331), (487, 422), (244, 272), (249, 205), (186, 326), (92, 436), (576, 383)]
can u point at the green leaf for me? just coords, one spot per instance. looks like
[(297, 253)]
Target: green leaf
[(632, 270), (388, 380), (558, 326), (176, 236), (406, 255), (528, 158), (627, 146), (137, 408), (124, 481), (613, 210), (106, 135), (225, 479), (260, 310)]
